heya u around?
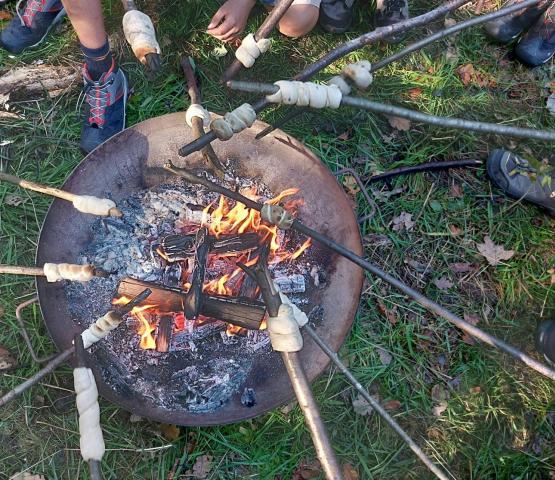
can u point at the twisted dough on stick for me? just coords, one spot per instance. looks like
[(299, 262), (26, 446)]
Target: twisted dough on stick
[(197, 110), (139, 32), (94, 205), (303, 94), (91, 439), (250, 50), (99, 329), (284, 329), (234, 122), (66, 271)]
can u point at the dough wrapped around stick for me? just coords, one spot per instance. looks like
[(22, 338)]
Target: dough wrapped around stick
[(250, 50), (284, 329), (66, 271), (306, 94), (234, 122), (139, 32)]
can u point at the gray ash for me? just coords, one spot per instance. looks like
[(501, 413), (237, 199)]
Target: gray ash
[(204, 366)]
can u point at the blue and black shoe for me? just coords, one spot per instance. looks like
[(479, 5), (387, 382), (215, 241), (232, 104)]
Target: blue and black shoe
[(537, 45), (104, 107), (32, 24)]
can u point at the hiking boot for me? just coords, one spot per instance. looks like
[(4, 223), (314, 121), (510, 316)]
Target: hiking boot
[(31, 25), (518, 179), (506, 29), (389, 12), (336, 16), (545, 340), (105, 102), (537, 45)]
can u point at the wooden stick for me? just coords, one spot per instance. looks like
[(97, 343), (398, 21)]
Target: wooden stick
[(53, 192), (385, 109), (344, 49), (39, 271), (198, 128), (263, 31)]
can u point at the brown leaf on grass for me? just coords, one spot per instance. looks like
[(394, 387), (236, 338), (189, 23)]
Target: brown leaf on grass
[(390, 314), (385, 356), (307, 469), (551, 272), (14, 200), (7, 361), (455, 231), (361, 406), (550, 105), (439, 409), (471, 318), (346, 135), (452, 54), (439, 393), (349, 472), (443, 283), (351, 185), (476, 389), (434, 433), (398, 123), (170, 432), (392, 405), (468, 74), (201, 467), (403, 222), (415, 93), (27, 476), (5, 15), (449, 22), (462, 267), (456, 191), (493, 253)]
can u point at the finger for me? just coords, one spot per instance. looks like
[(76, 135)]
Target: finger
[(231, 35), (216, 19), (223, 29)]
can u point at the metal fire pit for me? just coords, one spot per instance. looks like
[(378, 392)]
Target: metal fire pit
[(132, 161)]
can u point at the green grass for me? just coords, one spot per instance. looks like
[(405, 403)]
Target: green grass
[(503, 429)]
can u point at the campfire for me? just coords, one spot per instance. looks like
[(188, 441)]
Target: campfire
[(207, 251)]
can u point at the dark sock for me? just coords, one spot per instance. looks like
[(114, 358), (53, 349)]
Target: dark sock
[(98, 60)]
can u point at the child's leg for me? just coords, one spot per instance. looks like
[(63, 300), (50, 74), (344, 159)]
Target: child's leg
[(106, 88), (300, 19)]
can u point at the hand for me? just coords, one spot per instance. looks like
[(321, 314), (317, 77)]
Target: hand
[(230, 19)]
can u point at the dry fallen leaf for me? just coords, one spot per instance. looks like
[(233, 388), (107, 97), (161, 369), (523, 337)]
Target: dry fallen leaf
[(361, 406), (435, 433), (449, 22), (399, 123), (462, 267), (468, 74), (439, 409), (477, 389), (346, 135), (456, 191), (385, 356), (439, 393), (307, 469), (471, 318), (390, 314), (349, 472), (392, 405), (443, 283), (170, 432), (415, 93), (403, 222), (351, 185), (494, 253), (551, 272), (201, 467), (14, 200), (455, 230), (27, 476), (5, 15), (7, 361), (452, 54), (551, 104)]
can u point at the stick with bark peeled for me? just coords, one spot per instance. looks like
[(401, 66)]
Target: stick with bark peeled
[(83, 203), (88, 270)]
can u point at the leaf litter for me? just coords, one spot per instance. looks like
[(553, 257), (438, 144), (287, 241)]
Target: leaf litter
[(493, 253)]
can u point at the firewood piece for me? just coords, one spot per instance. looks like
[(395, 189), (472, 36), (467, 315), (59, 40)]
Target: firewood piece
[(164, 334), (239, 311), (193, 300), (180, 247), (242, 312)]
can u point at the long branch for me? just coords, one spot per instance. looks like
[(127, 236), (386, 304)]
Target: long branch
[(263, 31), (338, 52), (385, 109)]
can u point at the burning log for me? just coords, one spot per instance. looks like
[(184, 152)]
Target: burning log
[(175, 248), (242, 312), (164, 334), (193, 299)]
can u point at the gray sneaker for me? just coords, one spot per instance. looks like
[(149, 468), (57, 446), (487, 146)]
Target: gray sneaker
[(518, 179), (389, 12)]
